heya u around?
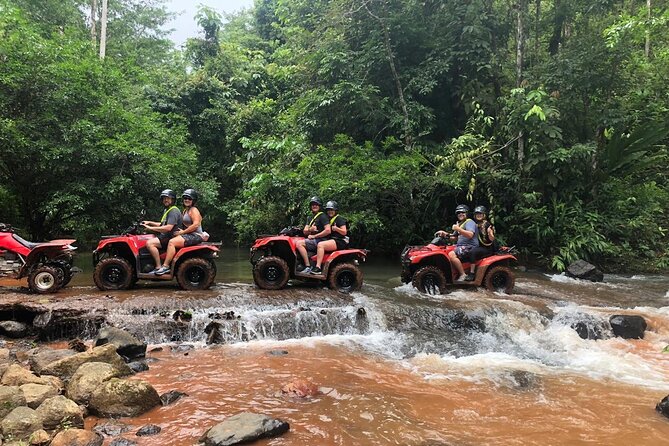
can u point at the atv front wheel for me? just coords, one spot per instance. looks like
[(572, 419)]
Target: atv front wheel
[(271, 273), (500, 278), (345, 277), (429, 280), (196, 274), (44, 279), (113, 273)]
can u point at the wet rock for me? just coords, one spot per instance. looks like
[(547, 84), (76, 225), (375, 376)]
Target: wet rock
[(122, 442), (123, 398), (111, 428), (171, 396), (13, 329), (35, 394), (128, 346), (156, 349), (663, 406), (77, 437), (42, 357), (628, 326), (182, 348), (77, 345), (10, 398), (66, 322), (87, 378), (15, 375), (300, 388), (149, 429), (58, 412), (463, 321), (138, 366), (65, 368), (20, 423), (182, 316), (39, 438), (277, 352), (4, 355), (244, 428), (581, 269), (586, 325), (523, 380)]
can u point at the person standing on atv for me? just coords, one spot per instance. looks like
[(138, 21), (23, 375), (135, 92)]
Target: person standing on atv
[(190, 235), (338, 235), (486, 238), (169, 223), (316, 230), (467, 232)]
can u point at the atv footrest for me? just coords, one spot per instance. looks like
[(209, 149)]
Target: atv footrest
[(310, 276)]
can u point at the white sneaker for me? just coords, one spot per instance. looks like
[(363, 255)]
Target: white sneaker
[(462, 278)]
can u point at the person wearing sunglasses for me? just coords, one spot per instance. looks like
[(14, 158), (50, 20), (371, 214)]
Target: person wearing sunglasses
[(467, 232), (165, 229), (191, 234)]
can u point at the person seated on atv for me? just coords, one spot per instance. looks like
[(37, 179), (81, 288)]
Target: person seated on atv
[(466, 230), (486, 237), (191, 234), (316, 230), (338, 235), (169, 223)]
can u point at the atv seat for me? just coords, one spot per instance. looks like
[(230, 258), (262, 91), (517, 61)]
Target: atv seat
[(24, 242)]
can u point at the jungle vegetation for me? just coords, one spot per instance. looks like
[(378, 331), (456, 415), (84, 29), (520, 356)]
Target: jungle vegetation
[(553, 113)]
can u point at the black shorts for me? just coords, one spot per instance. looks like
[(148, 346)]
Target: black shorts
[(164, 240), (191, 239), (312, 243), (341, 244)]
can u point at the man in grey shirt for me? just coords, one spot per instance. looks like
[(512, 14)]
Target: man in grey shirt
[(466, 230), (170, 222)]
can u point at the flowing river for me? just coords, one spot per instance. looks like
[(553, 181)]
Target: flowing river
[(398, 367)]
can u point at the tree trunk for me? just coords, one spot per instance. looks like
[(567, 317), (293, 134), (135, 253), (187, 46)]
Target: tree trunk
[(103, 30), (558, 23), (94, 31), (398, 83), (647, 51), (520, 47)]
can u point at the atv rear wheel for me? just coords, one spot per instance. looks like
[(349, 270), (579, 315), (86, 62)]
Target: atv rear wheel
[(429, 280), (113, 273), (345, 277), (499, 278), (44, 279), (196, 273), (271, 273)]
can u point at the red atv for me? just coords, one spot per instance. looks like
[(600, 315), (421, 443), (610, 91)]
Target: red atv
[(121, 260), (47, 265), (275, 258), (429, 269)]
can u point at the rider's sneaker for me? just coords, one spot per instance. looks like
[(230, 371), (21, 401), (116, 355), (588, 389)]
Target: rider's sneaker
[(162, 270), (462, 278), (316, 271), (306, 270), (300, 268), (470, 277)]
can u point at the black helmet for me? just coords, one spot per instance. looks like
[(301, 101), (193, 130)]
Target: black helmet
[(190, 193), (480, 210), (168, 193), (462, 208), (331, 205), (316, 200)]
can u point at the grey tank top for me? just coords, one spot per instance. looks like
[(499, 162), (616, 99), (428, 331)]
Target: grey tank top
[(189, 221)]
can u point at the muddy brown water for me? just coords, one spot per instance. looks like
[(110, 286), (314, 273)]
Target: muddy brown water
[(398, 367)]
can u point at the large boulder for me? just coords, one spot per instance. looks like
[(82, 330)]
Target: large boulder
[(58, 411), (64, 368), (10, 398), (581, 269), (663, 406), (89, 377), (77, 437), (628, 326), (20, 423), (123, 398), (35, 394), (15, 375), (244, 428), (42, 357), (128, 346)]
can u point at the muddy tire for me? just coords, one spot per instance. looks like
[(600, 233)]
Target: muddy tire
[(65, 273), (271, 273), (345, 278), (500, 278), (429, 280), (113, 273), (44, 279), (196, 274)]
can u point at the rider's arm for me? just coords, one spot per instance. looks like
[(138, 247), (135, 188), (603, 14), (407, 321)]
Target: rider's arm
[(462, 231), (339, 229), (324, 233), (491, 233)]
